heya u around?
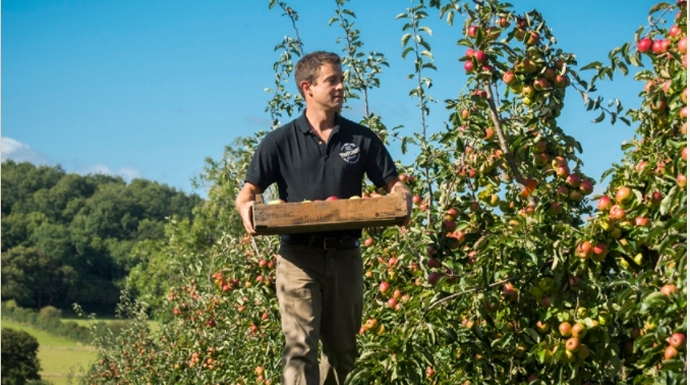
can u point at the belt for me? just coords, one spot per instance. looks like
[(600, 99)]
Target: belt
[(325, 243)]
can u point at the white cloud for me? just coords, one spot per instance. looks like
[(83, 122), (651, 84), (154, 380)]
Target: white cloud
[(98, 169), (127, 173), (20, 152)]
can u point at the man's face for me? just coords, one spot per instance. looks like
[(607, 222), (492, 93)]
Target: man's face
[(329, 90)]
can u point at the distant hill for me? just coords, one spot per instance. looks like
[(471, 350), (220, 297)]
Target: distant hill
[(67, 238)]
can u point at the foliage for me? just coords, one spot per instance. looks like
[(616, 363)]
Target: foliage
[(49, 319), (67, 238), (19, 361), (506, 274)]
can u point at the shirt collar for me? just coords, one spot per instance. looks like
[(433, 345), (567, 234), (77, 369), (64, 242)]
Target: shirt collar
[(305, 128)]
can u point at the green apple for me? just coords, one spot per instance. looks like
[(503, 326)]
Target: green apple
[(546, 284)]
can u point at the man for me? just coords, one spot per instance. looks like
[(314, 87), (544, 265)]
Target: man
[(319, 279)]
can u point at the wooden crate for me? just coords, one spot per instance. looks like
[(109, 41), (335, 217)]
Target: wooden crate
[(342, 214)]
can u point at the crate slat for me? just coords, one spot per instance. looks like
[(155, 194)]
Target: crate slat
[(343, 214)]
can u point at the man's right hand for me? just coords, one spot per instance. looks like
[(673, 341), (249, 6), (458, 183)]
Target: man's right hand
[(244, 203), (246, 214)]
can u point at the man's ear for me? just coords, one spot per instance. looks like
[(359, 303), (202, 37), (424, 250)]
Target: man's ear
[(305, 86)]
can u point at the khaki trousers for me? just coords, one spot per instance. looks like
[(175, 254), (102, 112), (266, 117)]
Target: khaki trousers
[(320, 296)]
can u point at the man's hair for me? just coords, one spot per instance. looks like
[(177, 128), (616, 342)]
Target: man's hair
[(307, 68)]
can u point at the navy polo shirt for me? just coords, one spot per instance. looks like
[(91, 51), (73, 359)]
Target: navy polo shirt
[(306, 168)]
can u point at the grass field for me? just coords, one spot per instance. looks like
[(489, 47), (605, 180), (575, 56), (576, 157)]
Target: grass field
[(59, 356), (153, 325)]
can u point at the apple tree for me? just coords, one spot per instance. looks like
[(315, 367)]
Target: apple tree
[(505, 273)]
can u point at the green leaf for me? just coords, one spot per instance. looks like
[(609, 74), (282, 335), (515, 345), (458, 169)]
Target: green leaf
[(599, 118), (406, 51), (667, 201), (653, 300), (532, 333), (406, 37)]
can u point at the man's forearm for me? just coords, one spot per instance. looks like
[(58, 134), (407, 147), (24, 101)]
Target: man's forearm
[(247, 194)]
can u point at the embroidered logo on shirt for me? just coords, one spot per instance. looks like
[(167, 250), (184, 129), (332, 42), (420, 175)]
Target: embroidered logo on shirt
[(349, 152)]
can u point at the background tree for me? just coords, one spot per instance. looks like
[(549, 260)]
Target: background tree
[(19, 361), (68, 238)]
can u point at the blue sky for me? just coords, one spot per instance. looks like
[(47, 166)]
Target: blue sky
[(151, 88)]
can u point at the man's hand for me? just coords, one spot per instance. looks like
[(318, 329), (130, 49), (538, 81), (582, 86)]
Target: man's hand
[(245, 205), (401, 188), (246, 214)]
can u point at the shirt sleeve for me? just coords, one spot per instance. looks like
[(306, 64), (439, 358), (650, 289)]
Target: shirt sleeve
[(264, 167), (380, 166)]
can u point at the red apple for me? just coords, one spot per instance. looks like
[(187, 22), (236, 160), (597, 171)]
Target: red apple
[(670, 353), (416, 199), (472, 31), (572, 344), (565, 329), (384, 287), (469, 66), (561, 81), (433, 262), (660, 46), (434, 277), (509, 292), (683, 45), (675, 31), (546, 302), (677, 340), (623, 195), (579, 330), (586, 187), (533, 38), (575, 196), (644, 44), (617, 212), (563, 171), (430, 250), (555, 208), (509, 77), (604, 203), (480, 56), (368, 242), (540, 84), (584, 250), (668, 289), (600, 250), (573, 180), (562, 191), (641, 221), (450, 226), (332, 198), (682, 182)]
